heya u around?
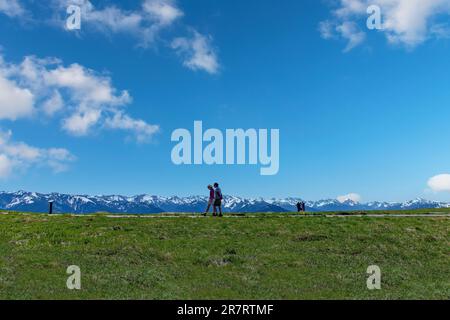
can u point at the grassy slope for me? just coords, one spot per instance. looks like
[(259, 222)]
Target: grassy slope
[(256, 258)]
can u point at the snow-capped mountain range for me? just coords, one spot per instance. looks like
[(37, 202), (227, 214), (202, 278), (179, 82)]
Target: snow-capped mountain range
[(147, 204)]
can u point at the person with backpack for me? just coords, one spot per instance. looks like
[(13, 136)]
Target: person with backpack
[(301, 206), (218, 197), (210, 200)]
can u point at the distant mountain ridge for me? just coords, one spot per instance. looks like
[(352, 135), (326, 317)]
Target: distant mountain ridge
[(147, 204)]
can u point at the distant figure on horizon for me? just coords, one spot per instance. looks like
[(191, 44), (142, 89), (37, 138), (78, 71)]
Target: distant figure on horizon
[(210, 200), (301, 206), (217, 200)]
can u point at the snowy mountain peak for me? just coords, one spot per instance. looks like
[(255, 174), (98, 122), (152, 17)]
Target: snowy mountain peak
[(146, 204)]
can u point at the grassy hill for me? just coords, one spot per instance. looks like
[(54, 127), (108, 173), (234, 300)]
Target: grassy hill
[(246, 257)]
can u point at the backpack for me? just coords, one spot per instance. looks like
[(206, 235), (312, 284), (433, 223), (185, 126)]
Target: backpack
[(219, 194)]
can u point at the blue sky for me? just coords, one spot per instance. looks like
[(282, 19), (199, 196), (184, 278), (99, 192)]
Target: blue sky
[(359, 111)]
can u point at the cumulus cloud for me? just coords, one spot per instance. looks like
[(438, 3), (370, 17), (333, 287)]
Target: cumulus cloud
[(141, 129), (53, 104), (197, 52), (16, 156), (144, 23), (84, 99), (351, 196), (15, 102), (164, 12), (110, 19), (404, 22), (440, 183), (11, 8), (5, 166), (80, 123)]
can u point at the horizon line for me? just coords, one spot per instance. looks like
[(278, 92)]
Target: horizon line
[(205, 196)]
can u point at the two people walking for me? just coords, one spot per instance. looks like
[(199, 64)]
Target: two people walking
[(301, 206), (215, 200), (216, 197)]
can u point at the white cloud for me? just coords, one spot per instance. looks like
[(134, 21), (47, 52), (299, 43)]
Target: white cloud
[(11, 8), (83, 98), (145, 23), (327, 29), (16, 156), (5, 166), (440, 183), (15, 102), (111, 19), (80, 123), (440, 31), (57, 159), (197, 52), (351, 7), (108, 19), (87, 87), (405, 22), (142, 130), (351, 196), (164, 12), (346, 30), (53, 104), (350, 32)]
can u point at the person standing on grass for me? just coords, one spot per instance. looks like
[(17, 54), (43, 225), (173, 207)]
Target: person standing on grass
[(217, 200), (210, 200), (301, 206)]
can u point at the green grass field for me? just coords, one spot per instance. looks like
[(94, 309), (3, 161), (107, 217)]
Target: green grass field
[(252, 257)]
